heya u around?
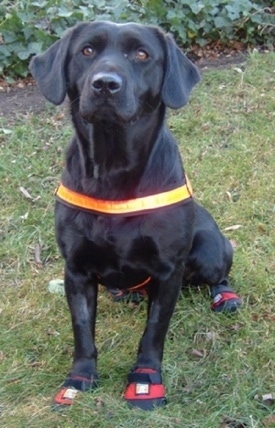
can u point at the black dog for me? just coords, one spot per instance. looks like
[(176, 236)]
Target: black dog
[(125, 216)]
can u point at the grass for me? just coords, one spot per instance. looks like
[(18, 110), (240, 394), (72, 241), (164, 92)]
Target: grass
[(216, 369)]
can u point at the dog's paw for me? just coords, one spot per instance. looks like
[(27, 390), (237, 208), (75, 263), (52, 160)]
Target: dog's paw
[(72, 386), (145, 389), (225, 300)]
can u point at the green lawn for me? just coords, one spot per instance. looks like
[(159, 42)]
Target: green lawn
[(217, 369)]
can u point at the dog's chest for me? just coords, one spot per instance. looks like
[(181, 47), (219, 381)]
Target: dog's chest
[(122, 252)]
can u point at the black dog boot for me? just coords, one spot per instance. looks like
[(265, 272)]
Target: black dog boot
[(224, 299)]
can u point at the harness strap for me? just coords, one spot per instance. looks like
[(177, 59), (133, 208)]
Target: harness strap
[(140, 286), (135, 292), (125, 207)]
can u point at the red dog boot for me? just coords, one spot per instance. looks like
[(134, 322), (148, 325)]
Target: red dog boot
[(71, 388), (145, 389), (224, 299)]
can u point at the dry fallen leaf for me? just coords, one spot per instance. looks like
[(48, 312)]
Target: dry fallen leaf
[(264, 315), (60, 116), (204, 337), (52, 332), (238, 69), (234, 227), (37, 256), (197, 353), (25, 192), (267, 399), (261, 227), (269, 422), (229, 196), (24, 216)]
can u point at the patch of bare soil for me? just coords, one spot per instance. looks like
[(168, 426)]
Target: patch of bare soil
[(21, 98), (24, 97)]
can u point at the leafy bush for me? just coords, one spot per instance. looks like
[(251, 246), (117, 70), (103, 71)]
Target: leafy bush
[(27, 27)]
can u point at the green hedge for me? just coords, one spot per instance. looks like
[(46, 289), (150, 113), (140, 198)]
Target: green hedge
[(27, 27)]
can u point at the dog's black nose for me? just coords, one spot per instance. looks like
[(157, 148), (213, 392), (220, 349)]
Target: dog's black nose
[(106, 83)]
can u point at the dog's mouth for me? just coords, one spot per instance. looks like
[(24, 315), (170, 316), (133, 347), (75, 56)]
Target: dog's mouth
[(111, 111)]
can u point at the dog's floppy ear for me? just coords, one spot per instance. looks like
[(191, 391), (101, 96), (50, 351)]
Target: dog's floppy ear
[(180, 76), (48, 69)]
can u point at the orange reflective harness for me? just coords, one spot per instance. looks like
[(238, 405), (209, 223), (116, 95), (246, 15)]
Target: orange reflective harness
[(130, 207)]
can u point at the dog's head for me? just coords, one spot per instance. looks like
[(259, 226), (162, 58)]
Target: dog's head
[(115, 71)]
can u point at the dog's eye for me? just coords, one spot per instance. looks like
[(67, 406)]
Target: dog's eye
[(141, 55), (88, 51)]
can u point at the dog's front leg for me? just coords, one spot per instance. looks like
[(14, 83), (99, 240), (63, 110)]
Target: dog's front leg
[(81, 293), (145, 388)]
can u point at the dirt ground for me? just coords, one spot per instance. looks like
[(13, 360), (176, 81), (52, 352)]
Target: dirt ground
[(17, 101), (24, 97)]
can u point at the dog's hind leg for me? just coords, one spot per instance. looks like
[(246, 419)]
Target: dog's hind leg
[(224, 297), (209, 262)]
